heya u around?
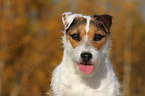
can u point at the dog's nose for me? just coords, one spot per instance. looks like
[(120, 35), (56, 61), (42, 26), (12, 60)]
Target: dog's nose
[(86, 56)]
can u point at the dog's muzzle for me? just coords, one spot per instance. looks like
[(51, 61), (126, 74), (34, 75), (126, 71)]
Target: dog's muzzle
[(86, 67)]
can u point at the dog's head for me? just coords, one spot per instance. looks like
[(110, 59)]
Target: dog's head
[(86, 40)]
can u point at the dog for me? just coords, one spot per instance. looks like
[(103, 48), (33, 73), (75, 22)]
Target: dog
[(85, 69)]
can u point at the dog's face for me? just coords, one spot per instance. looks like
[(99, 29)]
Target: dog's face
[(86, 40)]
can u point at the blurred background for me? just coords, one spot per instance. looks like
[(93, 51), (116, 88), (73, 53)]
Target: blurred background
[(30, 42)]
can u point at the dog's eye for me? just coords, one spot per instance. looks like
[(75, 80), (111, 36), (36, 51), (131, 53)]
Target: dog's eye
[(75, 36), (98, 37)]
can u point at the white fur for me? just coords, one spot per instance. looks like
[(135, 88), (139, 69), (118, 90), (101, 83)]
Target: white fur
[(88, 23), (68, 18), (69, 81)]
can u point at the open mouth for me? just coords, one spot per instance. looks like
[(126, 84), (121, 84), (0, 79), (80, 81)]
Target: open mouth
[(86, 67)]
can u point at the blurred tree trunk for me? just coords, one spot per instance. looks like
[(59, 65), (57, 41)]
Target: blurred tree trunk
[(127, 50), (17, 88), (3, 39), (1, 71), (6, 5)]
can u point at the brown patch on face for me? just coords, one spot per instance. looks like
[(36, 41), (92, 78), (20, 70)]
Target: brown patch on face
[(103, 21), (76, 30), (76, 22), (94, 31)]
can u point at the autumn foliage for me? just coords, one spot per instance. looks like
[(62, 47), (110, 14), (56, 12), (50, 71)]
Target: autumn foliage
[(30, 42)]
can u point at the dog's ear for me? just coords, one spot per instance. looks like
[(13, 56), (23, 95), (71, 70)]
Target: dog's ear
[(68, 18), (106, 20)]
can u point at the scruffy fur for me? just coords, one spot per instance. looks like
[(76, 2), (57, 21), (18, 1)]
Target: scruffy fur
[(67, 79)]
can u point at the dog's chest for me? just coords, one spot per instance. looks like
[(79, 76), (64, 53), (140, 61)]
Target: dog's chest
[(67, 83), (79, 88)]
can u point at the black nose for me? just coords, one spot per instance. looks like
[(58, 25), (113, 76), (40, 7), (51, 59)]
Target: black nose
[(86, 56)]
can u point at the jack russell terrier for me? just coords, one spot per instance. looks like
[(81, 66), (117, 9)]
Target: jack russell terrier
[(85, 69)]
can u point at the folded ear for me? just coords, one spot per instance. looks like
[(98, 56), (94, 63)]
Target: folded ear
[(106, 20), (68, 18)]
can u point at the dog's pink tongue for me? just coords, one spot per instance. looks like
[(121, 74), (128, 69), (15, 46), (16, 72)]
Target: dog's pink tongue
[(86, 69)]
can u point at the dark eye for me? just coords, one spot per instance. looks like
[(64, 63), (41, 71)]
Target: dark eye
[(98, 37), (75, 36)]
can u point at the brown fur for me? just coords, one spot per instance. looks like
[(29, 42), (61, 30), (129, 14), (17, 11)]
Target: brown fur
[(79, 27), (93, 30)]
